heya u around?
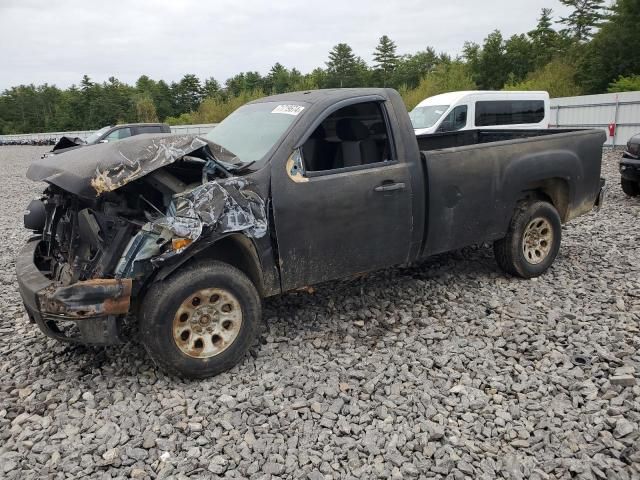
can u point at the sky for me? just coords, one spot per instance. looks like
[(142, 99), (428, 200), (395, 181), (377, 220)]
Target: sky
[(58, 42)]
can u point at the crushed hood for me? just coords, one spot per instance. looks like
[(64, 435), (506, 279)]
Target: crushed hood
[(92, 170), (68, 143)]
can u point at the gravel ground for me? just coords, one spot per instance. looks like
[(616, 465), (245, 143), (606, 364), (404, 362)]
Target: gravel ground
[(446, 369)]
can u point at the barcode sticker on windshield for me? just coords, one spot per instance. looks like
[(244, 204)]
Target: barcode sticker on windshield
[(288, 109)]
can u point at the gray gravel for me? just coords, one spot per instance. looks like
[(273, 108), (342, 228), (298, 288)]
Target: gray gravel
[(446, 369)]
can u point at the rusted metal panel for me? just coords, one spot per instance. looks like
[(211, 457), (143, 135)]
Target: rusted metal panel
[(88, 299)]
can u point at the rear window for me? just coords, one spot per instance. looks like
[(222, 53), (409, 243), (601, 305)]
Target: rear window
[(509, 112), (150, 129)]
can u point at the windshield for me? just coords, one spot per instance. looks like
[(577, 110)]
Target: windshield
[(252, 130), (96, 135), (428, 116)]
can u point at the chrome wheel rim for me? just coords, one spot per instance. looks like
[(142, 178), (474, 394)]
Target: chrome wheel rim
[(537, 240), (207, 323)]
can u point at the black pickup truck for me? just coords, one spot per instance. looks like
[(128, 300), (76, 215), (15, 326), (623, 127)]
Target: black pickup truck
[(177, 239)]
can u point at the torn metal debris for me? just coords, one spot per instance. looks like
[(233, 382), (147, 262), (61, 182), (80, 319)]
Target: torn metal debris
[(217, 207)]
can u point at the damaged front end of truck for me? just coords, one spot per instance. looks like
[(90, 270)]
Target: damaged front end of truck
[(114, 215)]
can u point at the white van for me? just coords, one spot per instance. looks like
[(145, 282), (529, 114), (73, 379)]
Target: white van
[(454, 111)]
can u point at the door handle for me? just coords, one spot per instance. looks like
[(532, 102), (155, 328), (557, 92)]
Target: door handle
[(390, 187)]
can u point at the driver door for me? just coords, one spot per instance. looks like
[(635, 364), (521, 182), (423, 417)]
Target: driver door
[(346, 207)]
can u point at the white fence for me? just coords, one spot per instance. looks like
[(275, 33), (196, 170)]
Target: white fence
[(201, 129), (599, 111)]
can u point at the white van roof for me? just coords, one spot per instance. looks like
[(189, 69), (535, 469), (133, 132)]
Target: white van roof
[(456, 97)]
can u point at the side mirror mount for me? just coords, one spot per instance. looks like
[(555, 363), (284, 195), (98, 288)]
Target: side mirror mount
[(295, 167)]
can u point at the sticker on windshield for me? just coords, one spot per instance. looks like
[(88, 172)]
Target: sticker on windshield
[(288, 109)]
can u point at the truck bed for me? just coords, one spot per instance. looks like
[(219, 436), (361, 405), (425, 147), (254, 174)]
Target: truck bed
[(475, 137), (475, 178)]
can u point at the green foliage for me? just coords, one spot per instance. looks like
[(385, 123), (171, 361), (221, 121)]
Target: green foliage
[(344, 69), (447, 77), (187, 93), (215, 109), (557, 78), (411, 68), (546, 42), (146, 110), (519, 56), (489, 63), (585, 17), (385, 61), (625, 84), (614, 50)]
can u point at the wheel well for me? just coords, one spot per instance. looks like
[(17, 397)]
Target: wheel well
[(238, 251), (555, 191)]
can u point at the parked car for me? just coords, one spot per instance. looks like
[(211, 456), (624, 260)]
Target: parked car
[(186, 235), (108, 134), (630, 167), (456, 111)]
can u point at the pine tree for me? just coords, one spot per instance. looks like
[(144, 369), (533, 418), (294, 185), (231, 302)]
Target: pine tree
[(342, 67), (187, 93), (545, 40), (586, 16), (385, 58), (277, 80), (210, 88)]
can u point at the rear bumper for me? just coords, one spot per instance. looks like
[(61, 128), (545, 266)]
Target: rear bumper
[(630, 169), (93, 307)]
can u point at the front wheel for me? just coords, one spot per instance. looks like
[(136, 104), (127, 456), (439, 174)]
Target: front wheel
[(532, 241), (630, 187), (201, 321)]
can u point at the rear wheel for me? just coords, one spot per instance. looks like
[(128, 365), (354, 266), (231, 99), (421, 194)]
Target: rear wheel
[(202, 321), (630, 187), (532, 241)]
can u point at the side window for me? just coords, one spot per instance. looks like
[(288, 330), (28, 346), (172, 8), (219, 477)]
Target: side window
[(456, 120), (118, 134), (149, 129), (509, 112), (352, 136)]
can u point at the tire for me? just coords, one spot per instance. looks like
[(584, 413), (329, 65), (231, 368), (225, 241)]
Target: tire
[(193, 339), (522, 253), (630, 187)]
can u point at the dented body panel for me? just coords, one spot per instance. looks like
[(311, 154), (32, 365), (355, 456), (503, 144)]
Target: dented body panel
[(118, 217), (90, 171)]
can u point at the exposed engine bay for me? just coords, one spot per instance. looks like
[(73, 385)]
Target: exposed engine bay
[(100, 249)]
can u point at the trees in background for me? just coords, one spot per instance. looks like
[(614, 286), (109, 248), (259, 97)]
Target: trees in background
[(625, 84), (344, 68), (591, 50), (586, 16), (557, 78), (614, 50), (385, 61), (446, 77)]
